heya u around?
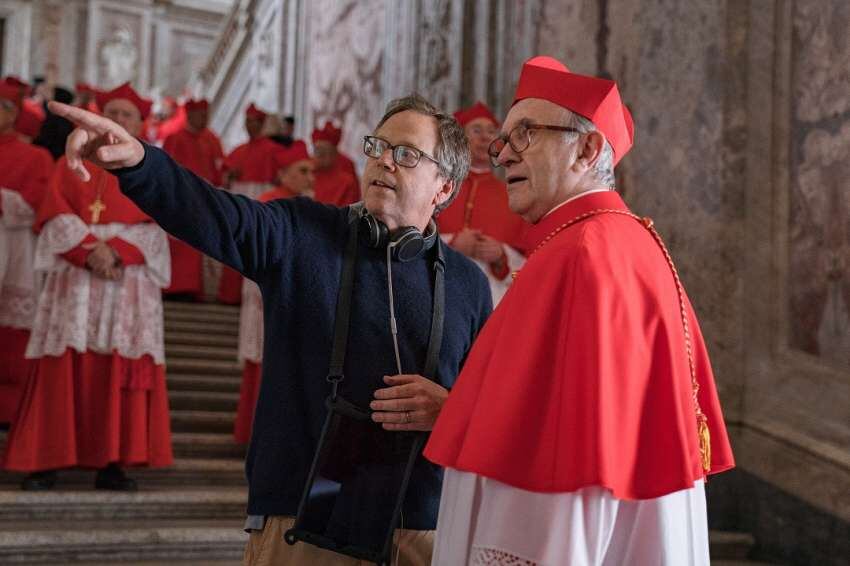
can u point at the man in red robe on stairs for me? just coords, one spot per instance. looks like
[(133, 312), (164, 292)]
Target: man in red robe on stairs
[(336, 182), (198, 149), (250, 170), (587, 405), (295, 178), (97, 398), (479, 223), (24, 172), (31, 115)]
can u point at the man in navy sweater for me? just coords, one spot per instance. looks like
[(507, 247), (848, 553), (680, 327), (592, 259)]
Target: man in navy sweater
[(294, 249)]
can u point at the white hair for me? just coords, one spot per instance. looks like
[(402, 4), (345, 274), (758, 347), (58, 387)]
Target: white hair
[(603, 170)]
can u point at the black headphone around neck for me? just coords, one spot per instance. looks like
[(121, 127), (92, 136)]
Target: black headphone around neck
[(407, 242)]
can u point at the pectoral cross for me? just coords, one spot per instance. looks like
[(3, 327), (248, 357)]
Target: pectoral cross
[(96, 208)]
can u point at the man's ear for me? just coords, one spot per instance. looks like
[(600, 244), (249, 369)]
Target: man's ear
[(444, 193), (590, 149)]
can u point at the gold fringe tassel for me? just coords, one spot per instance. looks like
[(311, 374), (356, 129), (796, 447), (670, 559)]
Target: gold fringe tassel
[(705, 444)]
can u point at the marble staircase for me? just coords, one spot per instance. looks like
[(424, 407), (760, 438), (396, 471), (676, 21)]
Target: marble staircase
[(192, 512), (189, 513)]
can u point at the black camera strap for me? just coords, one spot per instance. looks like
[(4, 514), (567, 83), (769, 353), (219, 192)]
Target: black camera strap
[(343, 313)]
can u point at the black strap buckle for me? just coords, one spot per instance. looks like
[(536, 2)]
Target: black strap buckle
[(334, 381)]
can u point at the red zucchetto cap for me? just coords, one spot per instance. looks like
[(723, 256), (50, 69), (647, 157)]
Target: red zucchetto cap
[(11, 92), (596, 99), (199, 104), (328, 133), (85, 87), (292, 154), (253, 112), (125, 92), (477, 110), (12, 80)]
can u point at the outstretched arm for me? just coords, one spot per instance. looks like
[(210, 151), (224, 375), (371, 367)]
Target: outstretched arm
[(244, 234)]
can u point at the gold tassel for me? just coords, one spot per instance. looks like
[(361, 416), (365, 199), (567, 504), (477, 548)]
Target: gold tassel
[(705, 444)]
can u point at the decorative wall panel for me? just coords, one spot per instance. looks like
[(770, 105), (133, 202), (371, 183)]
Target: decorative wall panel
[(819, 246)]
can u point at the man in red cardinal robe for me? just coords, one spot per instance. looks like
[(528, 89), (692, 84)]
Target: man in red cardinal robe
[(479, 223), (250, 170), (295, 178), (97, 398), (587, 405), (24, 172), (198, 149), (336, 182), (31, 115)]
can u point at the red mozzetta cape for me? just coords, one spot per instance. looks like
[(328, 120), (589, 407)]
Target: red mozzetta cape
[(200, 152), (336, 186), (346, 164), (482, 203), (67, 194), (24, 168), (580, 377), (276, 193), (255, 160)]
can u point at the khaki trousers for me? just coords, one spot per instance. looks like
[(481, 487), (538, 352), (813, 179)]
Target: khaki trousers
[(267, 548)]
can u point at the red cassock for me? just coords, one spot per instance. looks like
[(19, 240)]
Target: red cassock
[(201, 153), (251, 344), (30, 119), (336, 186), (482, 204), (581, 377), (24, 172), (256, 163), (346, 164), (98, 393)]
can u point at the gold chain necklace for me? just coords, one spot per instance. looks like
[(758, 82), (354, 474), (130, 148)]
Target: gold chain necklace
[(646, 222)]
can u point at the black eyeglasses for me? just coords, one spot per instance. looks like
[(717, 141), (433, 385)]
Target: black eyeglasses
[(403, 155), (519, 139)]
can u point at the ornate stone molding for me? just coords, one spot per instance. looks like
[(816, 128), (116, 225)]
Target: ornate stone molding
[(18, 15)]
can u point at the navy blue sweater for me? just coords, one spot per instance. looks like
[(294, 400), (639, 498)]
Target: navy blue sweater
[(293, 249)]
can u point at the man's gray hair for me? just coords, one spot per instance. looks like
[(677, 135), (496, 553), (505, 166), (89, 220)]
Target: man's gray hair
[(452, 152), (603, 170)]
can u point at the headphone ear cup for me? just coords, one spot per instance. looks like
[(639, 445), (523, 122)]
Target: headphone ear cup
[(374, 232), (408, 244)]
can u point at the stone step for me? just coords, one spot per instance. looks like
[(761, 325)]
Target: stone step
[(184, 472), (203, 328), (206, 445), (213, 308), (202, 317), (203, 367), (202, 421), (176, 502), (729, 545), (190, 382), (199, 339), (203, 401), (213, 542), (178, 351)]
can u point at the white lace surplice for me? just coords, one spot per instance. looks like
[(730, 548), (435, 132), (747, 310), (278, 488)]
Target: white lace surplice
[(485, 522), (251, 324), (79, 310), (19, 283)]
